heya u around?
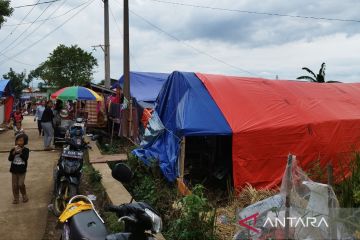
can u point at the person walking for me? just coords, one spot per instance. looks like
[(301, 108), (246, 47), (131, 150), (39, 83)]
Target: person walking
[(47, 125), (18, 157), (38, 115), (57, 118), (17, 115), (18, 128)]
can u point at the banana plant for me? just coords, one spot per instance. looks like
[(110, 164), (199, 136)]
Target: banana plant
[(319, 78)]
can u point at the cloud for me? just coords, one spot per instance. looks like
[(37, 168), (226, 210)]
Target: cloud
[(264, 45), (251, 30)]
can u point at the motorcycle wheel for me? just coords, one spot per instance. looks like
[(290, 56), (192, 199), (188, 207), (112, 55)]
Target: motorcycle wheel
[(61, 198)]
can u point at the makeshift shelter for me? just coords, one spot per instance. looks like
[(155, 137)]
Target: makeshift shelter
[(144, 89), (267, 120), (6, 101)]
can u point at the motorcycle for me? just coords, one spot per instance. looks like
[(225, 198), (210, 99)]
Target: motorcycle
[(140, 219), (79, 125), (68, 172)]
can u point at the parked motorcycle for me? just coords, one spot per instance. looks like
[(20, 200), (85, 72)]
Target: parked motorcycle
[(140, 219), (68, 172), (78, 128)]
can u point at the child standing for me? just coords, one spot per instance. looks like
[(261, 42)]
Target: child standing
[(18, 157), (18, 129)]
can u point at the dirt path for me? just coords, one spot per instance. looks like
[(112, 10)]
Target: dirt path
[(26, 221)]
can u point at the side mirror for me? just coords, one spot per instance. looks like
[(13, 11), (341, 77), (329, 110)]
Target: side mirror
[(122, 173)]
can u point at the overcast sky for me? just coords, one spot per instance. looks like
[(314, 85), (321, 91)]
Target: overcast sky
[(203, 40)]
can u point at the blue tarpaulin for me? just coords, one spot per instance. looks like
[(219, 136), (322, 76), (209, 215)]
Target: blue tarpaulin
[(145, 86), (185, 108), (3, 86)]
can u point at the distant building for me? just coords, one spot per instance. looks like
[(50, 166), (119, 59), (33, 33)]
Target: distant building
[(33, 93)]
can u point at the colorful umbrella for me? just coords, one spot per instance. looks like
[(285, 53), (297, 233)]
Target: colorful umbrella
[(76, 93)]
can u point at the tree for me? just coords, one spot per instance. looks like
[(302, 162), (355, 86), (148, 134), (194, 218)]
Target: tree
[(319, 78), (5, 10), (41, 87), (66, 66), (16, 81), (28, 80)]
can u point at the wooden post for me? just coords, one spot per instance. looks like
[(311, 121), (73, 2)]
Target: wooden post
[(130, 118), (288, 193), (182, 188), (182, 158), (112, 132)]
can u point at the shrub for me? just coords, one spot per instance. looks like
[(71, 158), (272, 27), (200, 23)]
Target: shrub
[(348, 191), (196, 218), (146, 191), (112, 224)]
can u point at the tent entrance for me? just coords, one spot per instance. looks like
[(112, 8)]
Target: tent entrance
[(208, 161)]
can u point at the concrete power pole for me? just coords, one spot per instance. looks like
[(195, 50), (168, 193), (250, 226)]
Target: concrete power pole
[(107, 43), (127, 64)]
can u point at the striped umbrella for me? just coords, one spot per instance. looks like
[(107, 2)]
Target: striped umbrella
[(76, 93)]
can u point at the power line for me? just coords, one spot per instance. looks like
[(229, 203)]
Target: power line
[(48, 34), (16, 60), (258, 13), (22, 20), (35, 4), (23, 32), (46, 19), (191, 46), (35, 29), (121, 33)]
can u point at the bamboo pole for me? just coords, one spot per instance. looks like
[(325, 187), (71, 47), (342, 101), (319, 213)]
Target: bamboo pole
[(288, 193), (182, 158)]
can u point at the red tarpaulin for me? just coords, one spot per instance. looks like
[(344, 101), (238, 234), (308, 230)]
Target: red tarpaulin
[(9, 102), (272, 118)]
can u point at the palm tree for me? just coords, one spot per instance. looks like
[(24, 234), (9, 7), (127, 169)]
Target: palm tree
[(319, 78)]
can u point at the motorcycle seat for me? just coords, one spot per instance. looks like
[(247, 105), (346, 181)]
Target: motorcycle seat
[(87, 225)]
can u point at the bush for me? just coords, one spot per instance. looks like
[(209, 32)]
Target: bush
[(196, 218), (112, 224), (348, 191)]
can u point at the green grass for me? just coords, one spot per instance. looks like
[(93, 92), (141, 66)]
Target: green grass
[(348, 191)]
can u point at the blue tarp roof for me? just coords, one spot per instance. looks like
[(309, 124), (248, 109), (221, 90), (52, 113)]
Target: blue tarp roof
[(145, 86), (185, 108), (3, 85)]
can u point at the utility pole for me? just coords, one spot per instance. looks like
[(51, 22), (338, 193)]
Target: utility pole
[(107, 43), (127, 64)]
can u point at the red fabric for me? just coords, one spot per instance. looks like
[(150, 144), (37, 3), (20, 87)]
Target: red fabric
[(146, 116), (272, 118), (9, 102), (18, 117)]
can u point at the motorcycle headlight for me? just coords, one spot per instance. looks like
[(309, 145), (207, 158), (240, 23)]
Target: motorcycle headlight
[(156, 221), (78, 141)]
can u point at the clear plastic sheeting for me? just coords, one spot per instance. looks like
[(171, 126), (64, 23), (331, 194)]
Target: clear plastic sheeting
[(154, 129), (303, 209)]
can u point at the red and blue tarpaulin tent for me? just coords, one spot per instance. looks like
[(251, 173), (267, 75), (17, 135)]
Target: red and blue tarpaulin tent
[(268, 119)]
